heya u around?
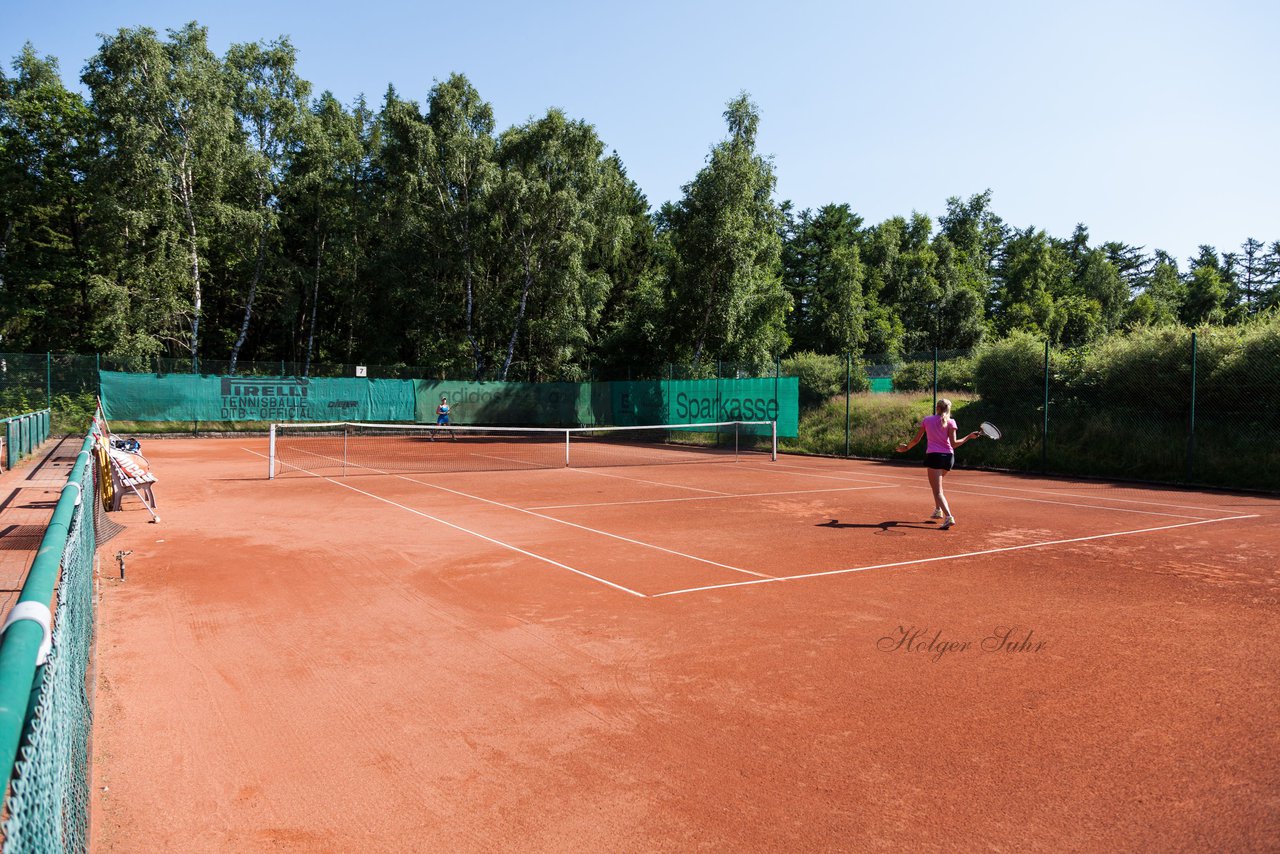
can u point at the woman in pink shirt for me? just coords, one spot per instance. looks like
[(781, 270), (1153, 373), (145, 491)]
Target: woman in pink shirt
[(939, 455)]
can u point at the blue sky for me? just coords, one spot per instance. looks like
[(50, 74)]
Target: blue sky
[(1152, 123)]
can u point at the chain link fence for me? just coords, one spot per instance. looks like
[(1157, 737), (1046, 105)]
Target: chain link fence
[(1164, 405)]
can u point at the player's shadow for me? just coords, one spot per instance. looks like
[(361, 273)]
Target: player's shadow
[(890, 527)]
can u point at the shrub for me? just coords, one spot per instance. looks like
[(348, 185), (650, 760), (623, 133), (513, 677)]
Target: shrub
[(822, 377), (953, 375), (1010, 372), (1245, 380)]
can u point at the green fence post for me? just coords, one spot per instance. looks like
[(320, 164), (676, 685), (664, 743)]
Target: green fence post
[(1191, 428), (848, 393), (1044, 433)]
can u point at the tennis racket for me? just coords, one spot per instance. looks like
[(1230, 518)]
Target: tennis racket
[(990, 430)]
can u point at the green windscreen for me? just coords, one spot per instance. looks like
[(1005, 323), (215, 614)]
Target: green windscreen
[(192, 397)]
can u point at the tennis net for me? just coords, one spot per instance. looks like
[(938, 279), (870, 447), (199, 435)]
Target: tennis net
[(346, 448)]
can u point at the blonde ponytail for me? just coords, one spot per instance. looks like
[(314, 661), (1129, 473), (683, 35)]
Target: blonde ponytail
[(943, 410)]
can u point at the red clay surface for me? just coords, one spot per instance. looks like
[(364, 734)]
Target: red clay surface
[(638, 659)]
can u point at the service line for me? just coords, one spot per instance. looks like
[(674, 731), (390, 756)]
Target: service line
[(924, 560), (539, 516), (449, 524)]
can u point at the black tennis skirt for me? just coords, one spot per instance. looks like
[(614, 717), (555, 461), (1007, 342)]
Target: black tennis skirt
[(940, 461)]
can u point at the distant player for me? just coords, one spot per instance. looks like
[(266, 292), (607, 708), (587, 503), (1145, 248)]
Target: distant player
[(442, 414)]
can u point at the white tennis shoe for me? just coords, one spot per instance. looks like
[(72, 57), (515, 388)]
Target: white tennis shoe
[(950, 520), (938, 514)]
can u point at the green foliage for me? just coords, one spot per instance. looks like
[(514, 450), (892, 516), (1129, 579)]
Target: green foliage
[(726, 297), (824, 275), (953, 375), (822, 377), (207, 206), (1009, 371)]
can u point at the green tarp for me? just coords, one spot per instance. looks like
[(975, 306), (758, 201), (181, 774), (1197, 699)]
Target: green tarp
[(625, 404), (192, 397), (532, 404), (699, 401)]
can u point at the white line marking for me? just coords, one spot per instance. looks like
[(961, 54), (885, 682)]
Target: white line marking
[(466, 530), (584, 527), (562, 521), (949, 557), (1036, 491), (969, 490), (715, 497), (650, 482), (559, 521)]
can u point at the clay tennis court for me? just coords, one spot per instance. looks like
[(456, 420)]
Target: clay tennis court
[(749, 655)]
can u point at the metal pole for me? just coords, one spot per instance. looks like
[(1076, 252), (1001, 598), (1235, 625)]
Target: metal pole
[(1191, 432), (1044, 433), (777, 375), (271, 455), (848, 389), (48, 380)]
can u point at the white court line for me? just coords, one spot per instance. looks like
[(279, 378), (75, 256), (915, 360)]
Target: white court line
[(715, 497), (466, 530), (1024, 489), (953, 490), (563, 522), (650, 482), (947, 557), (583, 527)]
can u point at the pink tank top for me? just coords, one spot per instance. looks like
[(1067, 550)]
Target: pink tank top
[(936, 429)]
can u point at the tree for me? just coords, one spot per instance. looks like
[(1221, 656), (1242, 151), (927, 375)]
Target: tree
[(976, 234), (1031, 270), (823, 273), (631, 331), (46, 251), (324, 206), (165, 113), (1271, 276), (270, 103), (460, 174), (545, 207), (1252, 272), (1207, 293), (726, 297)]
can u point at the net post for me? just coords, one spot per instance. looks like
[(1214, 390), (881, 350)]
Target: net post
[(271, 454), (773, 455), (567, 434), (346, 428)]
